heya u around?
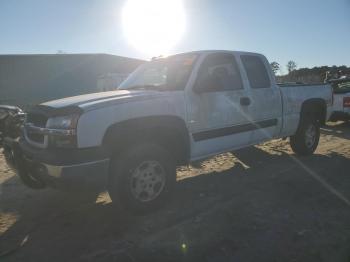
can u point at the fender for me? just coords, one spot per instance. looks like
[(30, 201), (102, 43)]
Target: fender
[(316, 106), (170, 131)]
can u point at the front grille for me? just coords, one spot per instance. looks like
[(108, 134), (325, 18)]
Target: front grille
[(38, 120)]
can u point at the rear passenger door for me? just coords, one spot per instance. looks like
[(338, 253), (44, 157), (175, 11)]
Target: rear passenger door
[(266, 105)]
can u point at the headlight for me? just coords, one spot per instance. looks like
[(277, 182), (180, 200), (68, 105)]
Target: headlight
[(63, 122), (68, 123)]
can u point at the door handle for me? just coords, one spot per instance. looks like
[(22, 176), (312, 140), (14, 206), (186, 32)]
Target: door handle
[(245, 101)]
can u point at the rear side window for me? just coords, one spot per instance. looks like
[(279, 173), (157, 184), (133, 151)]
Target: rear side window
[(225, 68), (256, 71)]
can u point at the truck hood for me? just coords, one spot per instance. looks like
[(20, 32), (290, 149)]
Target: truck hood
[(90, 101)]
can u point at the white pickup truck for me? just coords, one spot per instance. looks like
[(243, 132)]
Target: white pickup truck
[(169, 112)]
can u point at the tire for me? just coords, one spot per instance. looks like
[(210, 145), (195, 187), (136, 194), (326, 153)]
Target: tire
[(142, 178), (14, 158), (305, 140)]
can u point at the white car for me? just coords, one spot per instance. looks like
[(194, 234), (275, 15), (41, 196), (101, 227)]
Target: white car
[(169, 112), (341, 104)]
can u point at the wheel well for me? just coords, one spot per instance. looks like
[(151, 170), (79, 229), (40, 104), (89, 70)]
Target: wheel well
[(315, 107), (168, 131)]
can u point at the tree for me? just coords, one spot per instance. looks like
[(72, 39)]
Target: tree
[(275, 67), (291, 66)]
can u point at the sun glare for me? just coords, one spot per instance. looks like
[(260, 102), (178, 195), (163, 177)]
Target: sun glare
[(154, 27)]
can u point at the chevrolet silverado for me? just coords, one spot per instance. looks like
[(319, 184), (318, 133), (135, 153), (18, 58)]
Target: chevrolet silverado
[(169, 112)]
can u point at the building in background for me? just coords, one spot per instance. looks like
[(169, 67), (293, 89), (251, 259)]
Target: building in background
[(33, 79)]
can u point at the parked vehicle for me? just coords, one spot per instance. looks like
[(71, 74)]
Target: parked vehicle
[(11, 121), (341, 93), (169, 112)]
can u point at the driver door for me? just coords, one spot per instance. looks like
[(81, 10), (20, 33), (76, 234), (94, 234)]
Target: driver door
[(218, 115)]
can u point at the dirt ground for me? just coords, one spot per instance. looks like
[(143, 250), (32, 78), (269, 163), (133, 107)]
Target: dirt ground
[(259, 204)]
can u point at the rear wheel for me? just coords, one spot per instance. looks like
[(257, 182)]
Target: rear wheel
[(142, 178), (306, 139)]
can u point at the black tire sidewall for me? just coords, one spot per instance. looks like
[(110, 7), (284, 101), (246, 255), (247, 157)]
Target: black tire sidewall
[(317, 135), (120, 177), (298, 141)]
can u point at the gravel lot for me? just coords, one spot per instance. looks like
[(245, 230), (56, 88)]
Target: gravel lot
[(258, 204)]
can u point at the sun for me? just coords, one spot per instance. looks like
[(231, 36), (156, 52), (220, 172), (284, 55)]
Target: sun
[(154, 27)]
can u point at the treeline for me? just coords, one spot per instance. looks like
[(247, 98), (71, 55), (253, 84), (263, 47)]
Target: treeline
[(310, 75)]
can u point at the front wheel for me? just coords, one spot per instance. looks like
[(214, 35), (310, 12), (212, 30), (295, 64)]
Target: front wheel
[(306, 139), (142, 178)]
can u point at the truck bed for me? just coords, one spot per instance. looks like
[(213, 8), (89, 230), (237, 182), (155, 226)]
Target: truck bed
[(293, 96)]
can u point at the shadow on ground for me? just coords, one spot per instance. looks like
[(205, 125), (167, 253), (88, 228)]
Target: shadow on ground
[(338, 129), (266, 207)]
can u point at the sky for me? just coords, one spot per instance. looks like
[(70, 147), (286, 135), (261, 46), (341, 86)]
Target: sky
[(310, 32)]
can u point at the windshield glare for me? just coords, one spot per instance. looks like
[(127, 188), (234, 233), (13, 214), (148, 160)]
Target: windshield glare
[(170, 73)]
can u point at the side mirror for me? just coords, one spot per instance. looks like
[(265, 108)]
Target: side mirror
[(207, 83)]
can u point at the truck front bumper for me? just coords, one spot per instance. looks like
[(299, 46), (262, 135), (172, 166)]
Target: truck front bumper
[(61, 169)]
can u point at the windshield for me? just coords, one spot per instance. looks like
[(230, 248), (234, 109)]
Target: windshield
[(170, 73)]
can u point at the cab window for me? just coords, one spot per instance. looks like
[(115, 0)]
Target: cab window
[(256, 71), (224, 69)]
